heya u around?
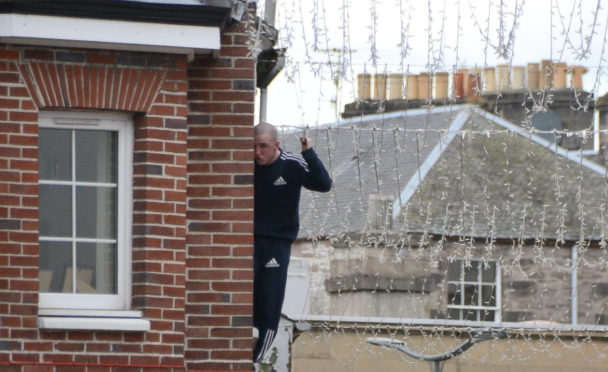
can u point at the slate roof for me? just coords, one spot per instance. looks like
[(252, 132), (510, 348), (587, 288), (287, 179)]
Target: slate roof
[(453, 171)]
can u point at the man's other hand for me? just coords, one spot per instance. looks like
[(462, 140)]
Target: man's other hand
[(306, 143)]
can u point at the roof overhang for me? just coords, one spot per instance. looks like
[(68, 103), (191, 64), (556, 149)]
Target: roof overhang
[(114, 24)]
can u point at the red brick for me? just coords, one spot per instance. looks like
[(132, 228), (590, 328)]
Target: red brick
[(9, 54), (9, 78), (242, 274), (37, 346), (232, 96), (232, 286), (235, 51), (232, 120), (232, 263), (232, 215), (7, 103), (210, 84), (100, 58)]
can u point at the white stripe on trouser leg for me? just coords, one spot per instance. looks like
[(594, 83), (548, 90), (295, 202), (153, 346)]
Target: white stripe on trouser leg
[(267, 342)]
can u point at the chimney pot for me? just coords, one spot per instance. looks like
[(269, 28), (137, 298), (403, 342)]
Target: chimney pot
[(458, 84), (559, 75), (412, 87), (475, 82), (380, 86), (364, 86), (533, 76), (395, 86), (545, 77), (489, 75), (504, 77), (577, 76), (518, 77), (425, 84), (441, 85)]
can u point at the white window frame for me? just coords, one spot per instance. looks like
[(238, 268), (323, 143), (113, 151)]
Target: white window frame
[(122, 124), (477, 308)]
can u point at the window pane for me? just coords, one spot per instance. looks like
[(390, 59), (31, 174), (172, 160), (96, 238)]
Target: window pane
[(488, 273), (471, 272), (96, 212), (55, 267), (55, 210), (96, 156), (471, 295), (454, 314), (55, 154), (453, 294), (488, 295), (96, 264), (470, 314), (487, 315)]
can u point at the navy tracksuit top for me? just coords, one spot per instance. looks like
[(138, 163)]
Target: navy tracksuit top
[(277, 192)]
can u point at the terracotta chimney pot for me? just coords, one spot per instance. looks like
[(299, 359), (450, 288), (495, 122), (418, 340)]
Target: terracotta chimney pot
[(458, 84), (577, 76), (364, 86), (441, 85), (533, 76), (475, 79), (425, 84), (489, 75), (412, 87), (504, 77), (545, 76), (559, 75), (518, 77), (380, 86), (395, 86)]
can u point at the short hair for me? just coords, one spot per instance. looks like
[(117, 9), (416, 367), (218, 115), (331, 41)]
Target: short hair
[(266, 128)]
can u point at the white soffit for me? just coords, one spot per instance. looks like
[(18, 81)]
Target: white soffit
[(108, 34)]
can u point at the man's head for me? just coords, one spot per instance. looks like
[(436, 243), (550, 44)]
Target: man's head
[(265, 144)]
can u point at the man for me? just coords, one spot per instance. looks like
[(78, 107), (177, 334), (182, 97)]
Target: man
[(279, 177)]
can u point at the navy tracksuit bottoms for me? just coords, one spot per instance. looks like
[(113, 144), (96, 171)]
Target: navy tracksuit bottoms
[(270, 262)]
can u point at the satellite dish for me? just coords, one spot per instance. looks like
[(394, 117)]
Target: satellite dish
[(546, 121)]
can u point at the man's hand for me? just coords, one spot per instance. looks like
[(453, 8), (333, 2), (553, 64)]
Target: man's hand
[(306, 143)]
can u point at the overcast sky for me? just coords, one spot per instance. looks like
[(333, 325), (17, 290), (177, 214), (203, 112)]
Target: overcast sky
[(303, 92)]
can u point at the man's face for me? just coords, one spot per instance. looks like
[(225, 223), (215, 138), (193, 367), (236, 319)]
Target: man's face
[(266, 150)]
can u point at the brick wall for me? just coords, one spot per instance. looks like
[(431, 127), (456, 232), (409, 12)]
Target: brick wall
[(219, 280), (154, 88)]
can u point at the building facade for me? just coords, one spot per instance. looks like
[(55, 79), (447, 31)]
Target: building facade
[(126, 185)]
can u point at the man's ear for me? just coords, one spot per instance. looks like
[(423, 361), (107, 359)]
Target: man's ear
[(277, 144)]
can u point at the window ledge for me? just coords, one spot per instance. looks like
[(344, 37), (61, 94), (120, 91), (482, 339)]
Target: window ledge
[(100, 320)]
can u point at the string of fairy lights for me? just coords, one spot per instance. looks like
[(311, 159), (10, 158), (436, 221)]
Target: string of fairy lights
[(457, 219)]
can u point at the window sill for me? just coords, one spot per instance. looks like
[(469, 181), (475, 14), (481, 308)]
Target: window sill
[(97, 320)]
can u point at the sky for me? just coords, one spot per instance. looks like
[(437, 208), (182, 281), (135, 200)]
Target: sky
[(397, 36)]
